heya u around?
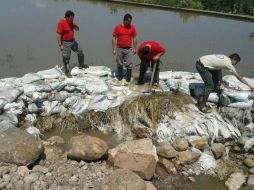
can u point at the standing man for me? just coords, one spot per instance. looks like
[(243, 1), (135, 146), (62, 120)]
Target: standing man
[(150, 53), (123, 35), (209, 67), (66, 41)]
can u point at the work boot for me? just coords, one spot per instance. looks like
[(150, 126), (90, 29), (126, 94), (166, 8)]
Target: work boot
[(67, 70), (206, 109), (120, 73), (128, 75)]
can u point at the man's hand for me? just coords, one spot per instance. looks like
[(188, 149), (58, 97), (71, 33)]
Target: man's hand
[(61, 47), (134, 51), (76, 28), (114, 51), (156, 58)]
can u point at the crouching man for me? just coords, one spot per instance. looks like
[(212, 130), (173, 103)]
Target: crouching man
[(150, 53), (210, 69)]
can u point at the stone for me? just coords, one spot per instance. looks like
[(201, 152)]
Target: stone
[(200, 143), (248, 162), (235, 181), (4, 170), (149, 185), (23, 171), (251, 181), (251, 170), (19, 147), (86, 148), (56, 140), (53, 153), (180, 144), (138, 156), (188, 157), (218, 150), (123, 179), (166, 150), (41, 169), (168, 165)]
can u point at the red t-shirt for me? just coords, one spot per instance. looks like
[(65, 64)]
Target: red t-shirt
[(124, 35), (156, 48), (66, 30)]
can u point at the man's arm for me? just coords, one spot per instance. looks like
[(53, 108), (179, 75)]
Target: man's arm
[(75, 27), (135, 44), (114, 42), (158, 56), (241, 79), (59, 41)]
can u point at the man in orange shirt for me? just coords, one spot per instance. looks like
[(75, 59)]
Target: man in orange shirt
[(123, 35), (66, 41)]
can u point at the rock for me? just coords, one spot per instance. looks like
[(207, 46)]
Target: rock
[(138, 156), (23, 171), (87, 148), (123, 179), (180, 144), (166, 151), (235, 181), (56, 140), (200, 143), (168, 165), (4, 170), (41, 169), (251, 180), (53, 153), (251, 170), (149, 185), (248, 162), (188, 157), (218, 150), (19, 147)]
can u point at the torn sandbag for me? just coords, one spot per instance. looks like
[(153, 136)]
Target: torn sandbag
[(232, 82), (10, 94), (53, 73), (15, 107)]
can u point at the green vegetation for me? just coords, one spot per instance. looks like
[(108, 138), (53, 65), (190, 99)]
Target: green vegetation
[(245, 7)]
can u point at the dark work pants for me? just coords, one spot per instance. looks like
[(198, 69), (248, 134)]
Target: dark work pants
[(211, 79), (145, 63)]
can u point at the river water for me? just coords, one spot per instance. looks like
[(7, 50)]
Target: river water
[(28, 42)]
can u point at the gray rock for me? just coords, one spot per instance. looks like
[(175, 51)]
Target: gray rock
[(180, 144), (248, 162), (123, 179), (251, 170), (235, 181), (19, 147), (251, 180)]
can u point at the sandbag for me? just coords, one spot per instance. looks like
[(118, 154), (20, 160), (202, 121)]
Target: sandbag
[(5, 126), (35, 108), (239, 96), (8, 82), (14, 107), (242, 105), (9, 118), (99, 103), (206, 162), (213, 97), (3, 102), (53, 73), (31, 118), (98, 71), (29, 78), (80, 106), (10, 94), (166, 75), (232, 82)]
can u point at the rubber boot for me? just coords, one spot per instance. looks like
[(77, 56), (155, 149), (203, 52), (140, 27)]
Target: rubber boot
[(128, 75), (81, 61), (67, 70), (120, 73)]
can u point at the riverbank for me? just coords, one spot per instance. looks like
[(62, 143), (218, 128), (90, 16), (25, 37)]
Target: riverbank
[(204, 12)]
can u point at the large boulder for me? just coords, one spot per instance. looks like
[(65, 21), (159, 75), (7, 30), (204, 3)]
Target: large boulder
[(235, 181), (166, 150), (138, 156), (87, 148), (123, 179), (19, 147)]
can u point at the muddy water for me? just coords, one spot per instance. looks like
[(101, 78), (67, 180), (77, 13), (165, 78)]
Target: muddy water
[(28, 27)]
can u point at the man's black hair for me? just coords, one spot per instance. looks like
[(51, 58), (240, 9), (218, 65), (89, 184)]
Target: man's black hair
[(69, 14), (235, 56), (127, 17), (145, 50)]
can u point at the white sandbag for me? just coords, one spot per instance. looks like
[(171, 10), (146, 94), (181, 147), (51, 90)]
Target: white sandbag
[(98, 71), (5, 126), (206, 162), (164, 86), (232, 82), (34, 131), (96, 86), (58, 86), (29, 78), (242, 105), (183, 75), (31, 118), (14, 107), (165, 75), (99, 103), (69, 88), (59, 96), (3, 102), (70, 101), (116, 102), (48, 107), (37, 97), (35, 108), (53, 73), (213, 97), (10, 94), (8, 82), (9, 118), (80, 106), (240, 96), (113, 94)]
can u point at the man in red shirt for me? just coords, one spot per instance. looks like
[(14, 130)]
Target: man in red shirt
[(123, 35), (66, 41), (150, 53)]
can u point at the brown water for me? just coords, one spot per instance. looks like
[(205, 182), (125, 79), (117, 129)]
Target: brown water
[(28, 27)]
